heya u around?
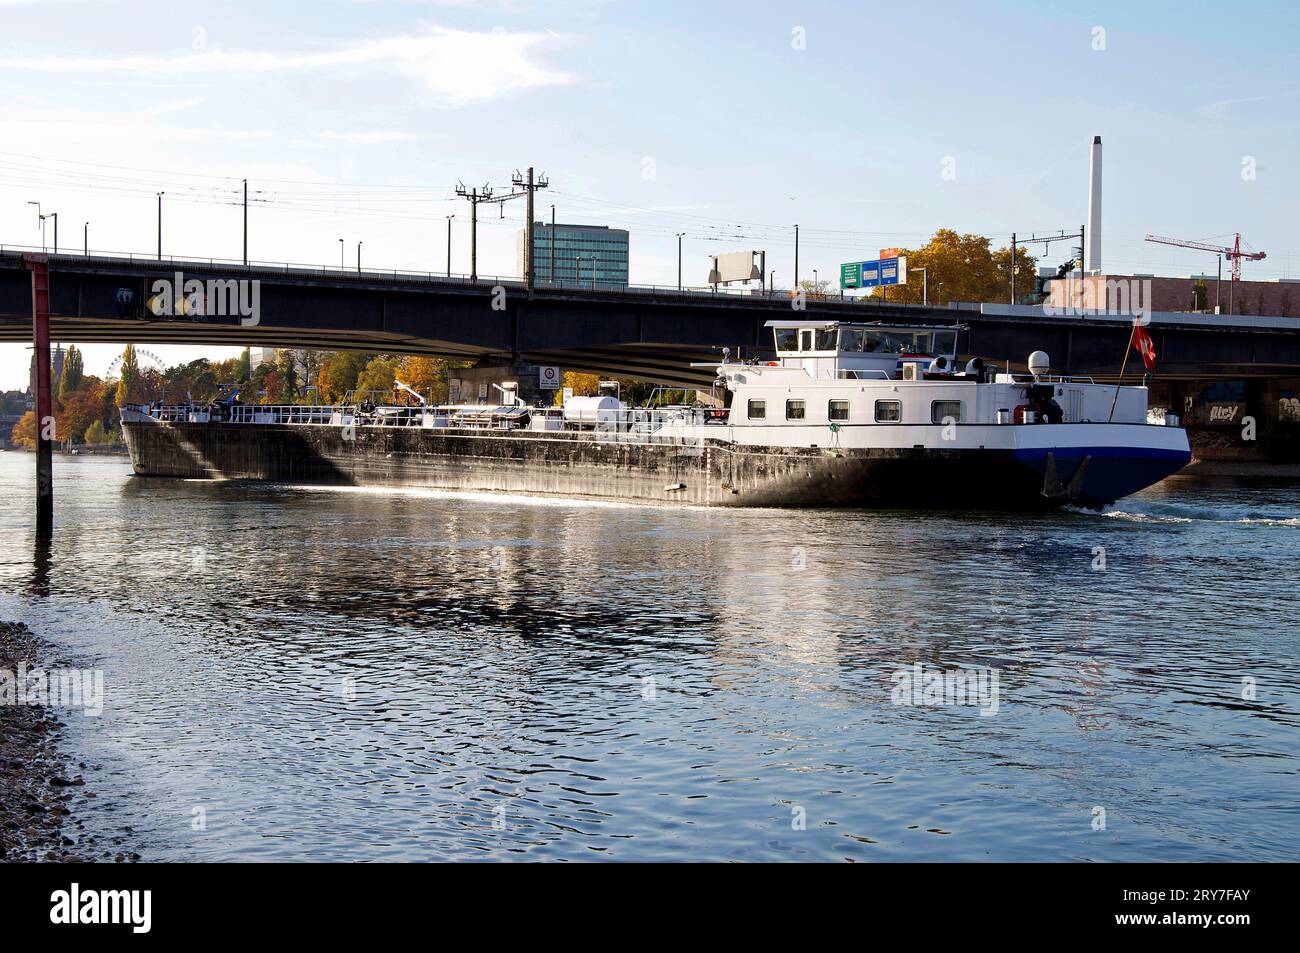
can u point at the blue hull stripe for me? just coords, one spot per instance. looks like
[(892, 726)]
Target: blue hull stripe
[(1127, 453)]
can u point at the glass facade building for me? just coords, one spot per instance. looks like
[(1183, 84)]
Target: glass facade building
[(583, 255)]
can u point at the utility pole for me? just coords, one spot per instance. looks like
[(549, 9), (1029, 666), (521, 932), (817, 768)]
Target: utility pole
[(679, 260), (476, 197), (1046, 241), (245, 221), (527, 183), (160, 195), (1013, 267), (1083, 231), (449, 218), (796, 258), (1218, 286)]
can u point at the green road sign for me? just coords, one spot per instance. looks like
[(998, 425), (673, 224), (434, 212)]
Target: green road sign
[(851, 274)]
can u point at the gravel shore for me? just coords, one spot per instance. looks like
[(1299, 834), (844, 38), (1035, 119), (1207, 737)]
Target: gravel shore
[(39, 783)]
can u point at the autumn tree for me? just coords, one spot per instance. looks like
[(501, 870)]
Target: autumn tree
[(96, 433), (339, 373), (79, 410), (286, 364), (815, 289), (964, 268), (378, 374), (129, 376), (583, 385), (428, 375), (73, 371), (24, 432), (149, 384)]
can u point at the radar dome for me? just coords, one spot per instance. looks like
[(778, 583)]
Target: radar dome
[(1039, 363)]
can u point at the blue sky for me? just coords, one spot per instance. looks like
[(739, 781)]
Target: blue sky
[(727, 121)]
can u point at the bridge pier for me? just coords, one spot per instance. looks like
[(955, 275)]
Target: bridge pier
[(39, 267)]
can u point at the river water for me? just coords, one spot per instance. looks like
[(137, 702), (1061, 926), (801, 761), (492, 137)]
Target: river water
[(296, 673)]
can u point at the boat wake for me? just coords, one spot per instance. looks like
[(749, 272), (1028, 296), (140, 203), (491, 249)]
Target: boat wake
[(1171, 513), (477, 496)]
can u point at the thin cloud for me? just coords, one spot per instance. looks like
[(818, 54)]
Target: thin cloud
[(459, 66), (142, 124), (377, 137)]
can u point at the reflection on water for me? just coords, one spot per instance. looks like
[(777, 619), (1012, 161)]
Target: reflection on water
[(303, 673)]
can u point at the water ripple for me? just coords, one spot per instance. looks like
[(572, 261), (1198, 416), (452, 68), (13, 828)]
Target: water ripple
[(392, 675)]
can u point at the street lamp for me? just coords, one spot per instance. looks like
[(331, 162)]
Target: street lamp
[(679, 260), (160, 195), (815, 287), (449, 218), (1218, 284), (85, 239), (55, 216), (341, 249), (358, 258), (925, 284), (40, 222)]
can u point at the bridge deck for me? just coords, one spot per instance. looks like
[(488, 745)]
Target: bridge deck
[(647, 332)]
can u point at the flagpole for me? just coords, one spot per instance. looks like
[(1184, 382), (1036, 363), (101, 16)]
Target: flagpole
[(1122, 366)]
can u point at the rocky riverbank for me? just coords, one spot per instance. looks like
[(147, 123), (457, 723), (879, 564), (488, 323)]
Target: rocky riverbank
[(39, 782), (1241, 468)]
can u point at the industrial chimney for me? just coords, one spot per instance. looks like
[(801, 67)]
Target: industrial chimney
[(1092, 256)]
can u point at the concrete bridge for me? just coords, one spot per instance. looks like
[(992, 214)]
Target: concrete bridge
[(651, 333)]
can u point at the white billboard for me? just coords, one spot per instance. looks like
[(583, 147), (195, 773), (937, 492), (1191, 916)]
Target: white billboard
[(734, 266)]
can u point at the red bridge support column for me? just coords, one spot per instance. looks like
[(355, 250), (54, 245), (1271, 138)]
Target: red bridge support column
[(39, 268)]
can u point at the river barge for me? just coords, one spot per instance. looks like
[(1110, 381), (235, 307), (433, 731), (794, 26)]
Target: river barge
[(846, 415)]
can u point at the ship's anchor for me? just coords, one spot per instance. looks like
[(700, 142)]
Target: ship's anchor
[(1054, 489)]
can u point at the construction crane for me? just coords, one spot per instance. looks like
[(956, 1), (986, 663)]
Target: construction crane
[(1233, 254)]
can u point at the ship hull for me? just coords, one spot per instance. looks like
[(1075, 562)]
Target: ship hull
[(588, 465)]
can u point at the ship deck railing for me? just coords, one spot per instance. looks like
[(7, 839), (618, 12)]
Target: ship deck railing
[(633, 422)]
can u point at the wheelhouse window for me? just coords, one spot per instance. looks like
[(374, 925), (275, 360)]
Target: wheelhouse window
[(794, 410), (889, 411), (757, 409), (838, 410), (825, 339), (941, 410), (787, 339)]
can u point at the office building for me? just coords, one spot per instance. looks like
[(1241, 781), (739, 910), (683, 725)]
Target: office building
[(586, 255)]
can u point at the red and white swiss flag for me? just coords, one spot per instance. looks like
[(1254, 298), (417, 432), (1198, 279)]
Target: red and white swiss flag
[(1145, 346)]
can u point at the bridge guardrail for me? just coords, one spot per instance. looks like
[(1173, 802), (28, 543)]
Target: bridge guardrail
[(397, 274)]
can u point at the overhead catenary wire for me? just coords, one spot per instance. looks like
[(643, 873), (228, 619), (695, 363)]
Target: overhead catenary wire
[(428, 203)]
